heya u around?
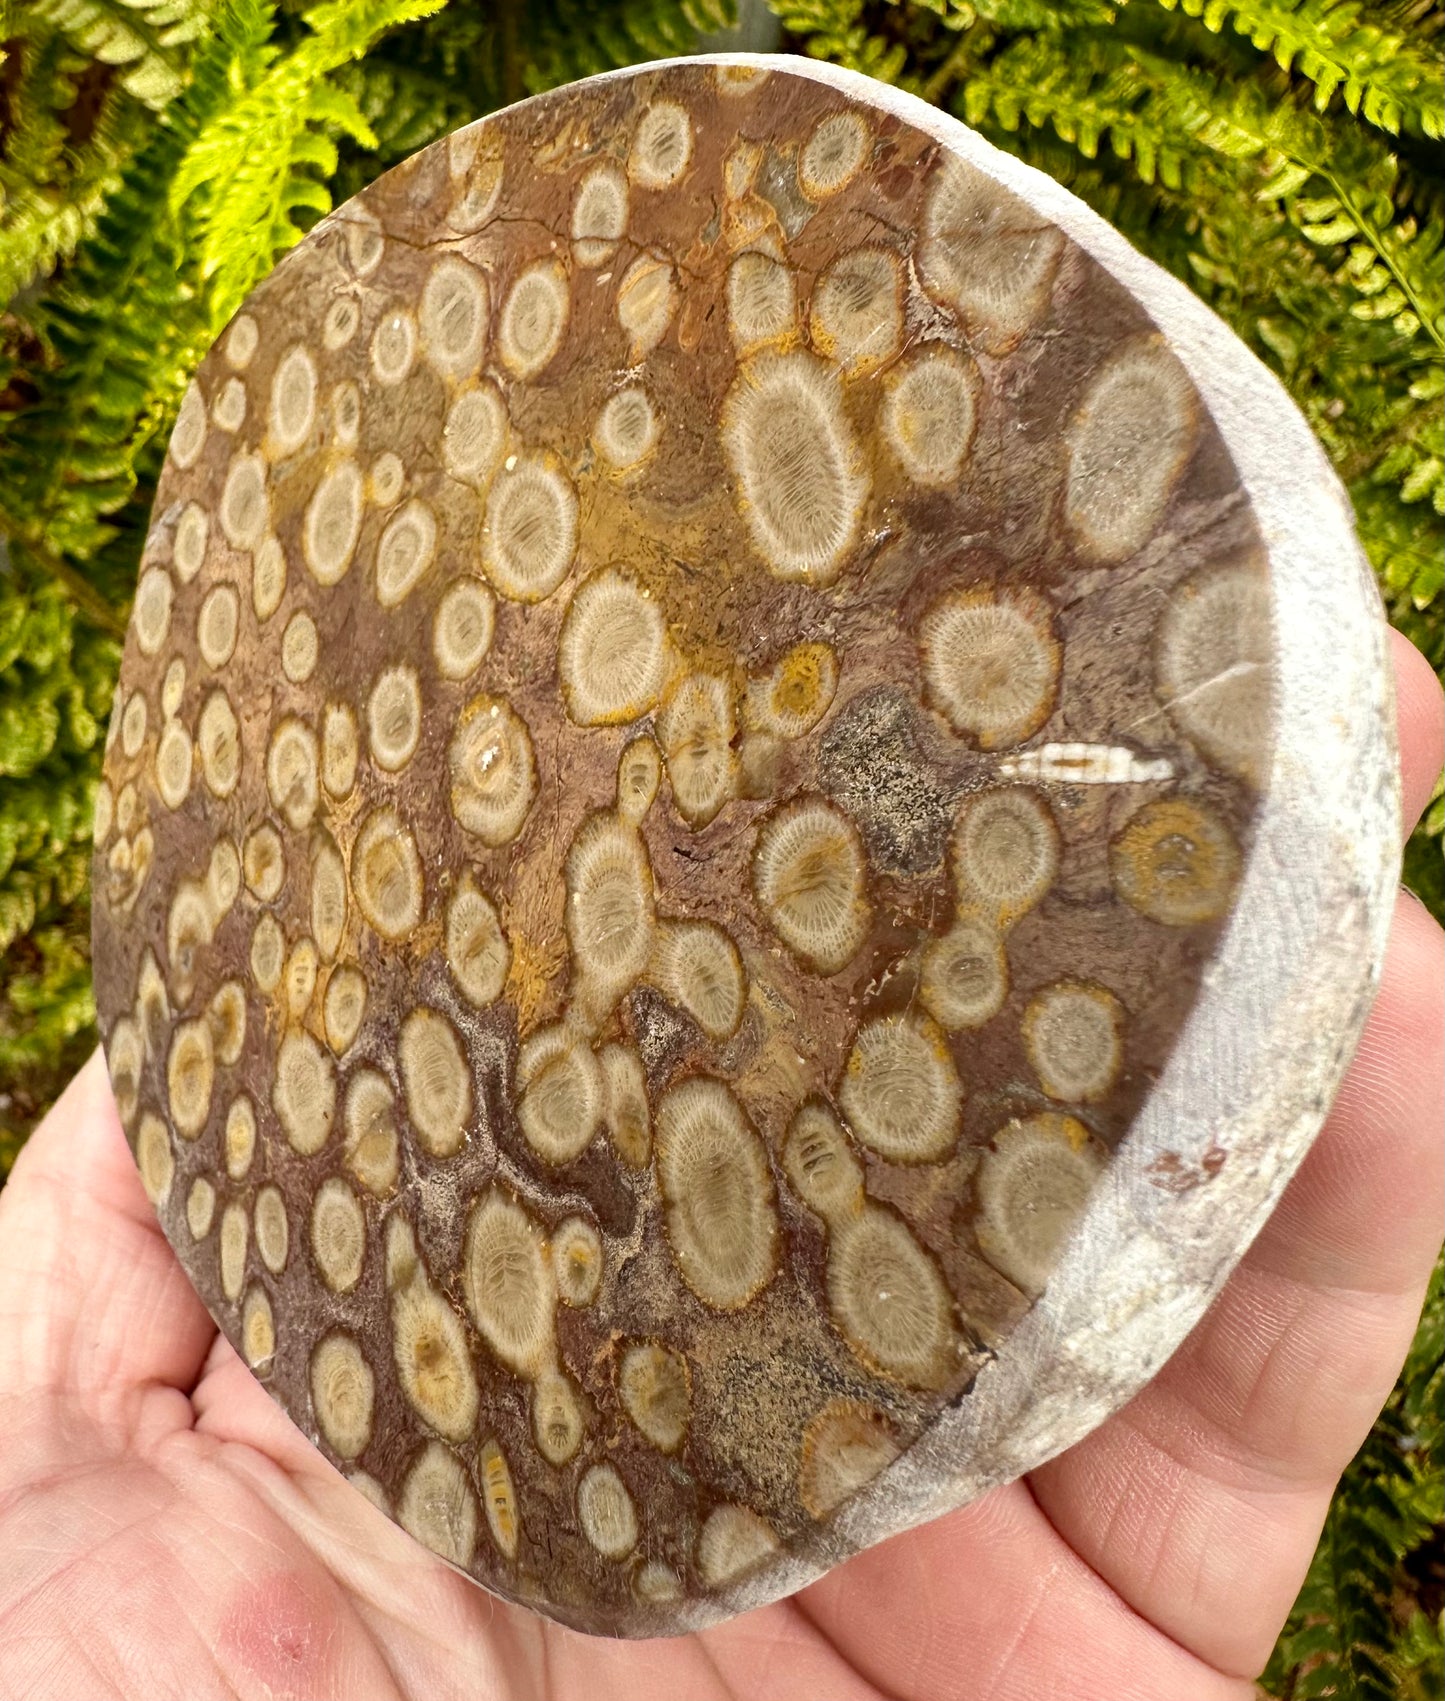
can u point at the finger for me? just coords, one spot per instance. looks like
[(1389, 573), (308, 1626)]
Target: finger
[(1202, 1501), (990, 1602), (92, 1299), (428, 1616), (232, 1406), (1420, 710)]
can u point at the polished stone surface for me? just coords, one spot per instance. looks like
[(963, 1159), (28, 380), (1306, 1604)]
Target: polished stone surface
[(708, 825)]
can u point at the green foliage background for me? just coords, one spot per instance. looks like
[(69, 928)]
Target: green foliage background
[(157, 156)]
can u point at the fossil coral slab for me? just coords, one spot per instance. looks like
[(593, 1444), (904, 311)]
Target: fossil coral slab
[(749, 814)]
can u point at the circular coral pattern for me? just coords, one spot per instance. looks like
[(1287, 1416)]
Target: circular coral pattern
[(693, 713)]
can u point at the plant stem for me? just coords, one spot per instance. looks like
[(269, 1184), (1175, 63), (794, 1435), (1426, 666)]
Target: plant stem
[(85, 596)]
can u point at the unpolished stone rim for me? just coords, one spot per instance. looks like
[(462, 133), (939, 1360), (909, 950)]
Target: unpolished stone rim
[(1263, 1051)]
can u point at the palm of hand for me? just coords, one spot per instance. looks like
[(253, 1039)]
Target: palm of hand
[(166, 1532)]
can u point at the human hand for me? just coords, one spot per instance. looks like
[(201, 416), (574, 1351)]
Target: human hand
[(166, 1532)]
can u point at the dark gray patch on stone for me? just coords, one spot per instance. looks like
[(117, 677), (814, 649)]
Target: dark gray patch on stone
[(871, 762), (662, 1035), (777, 183)]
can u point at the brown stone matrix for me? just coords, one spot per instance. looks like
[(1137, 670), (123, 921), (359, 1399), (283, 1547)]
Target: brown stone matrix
[(696, 694)]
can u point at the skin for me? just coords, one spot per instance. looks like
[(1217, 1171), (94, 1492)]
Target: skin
[(165, 1531)]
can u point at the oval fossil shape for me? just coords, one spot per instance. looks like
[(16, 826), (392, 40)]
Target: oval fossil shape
[(718, 898)]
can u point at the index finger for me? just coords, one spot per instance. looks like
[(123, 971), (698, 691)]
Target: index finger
[(1420, 707)]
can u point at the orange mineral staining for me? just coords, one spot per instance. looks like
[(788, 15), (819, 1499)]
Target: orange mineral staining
[(1177, 863), (791, 700)]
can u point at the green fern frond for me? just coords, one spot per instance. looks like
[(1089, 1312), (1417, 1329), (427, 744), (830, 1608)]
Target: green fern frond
[(1044, 14), (45, 991), (838, 30), (1393, 267), (1166, 118), (53, 702), (56, 680), (1404, 549), (119, 334), (564, 40), (67, 459), (402, 108), (59, 156), (141, 37), (48, 1001), (1162, 118), (1336, 1641), (1391, 77), (254, 179)]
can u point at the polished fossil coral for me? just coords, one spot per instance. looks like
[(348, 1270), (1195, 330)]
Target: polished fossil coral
[(697, 699)]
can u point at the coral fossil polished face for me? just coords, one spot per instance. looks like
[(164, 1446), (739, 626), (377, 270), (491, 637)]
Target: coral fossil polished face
[(697, 696)]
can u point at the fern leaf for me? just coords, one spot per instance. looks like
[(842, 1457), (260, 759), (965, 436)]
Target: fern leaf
[(1391, 77), (59, 157), (141, 37), (836, 30), (261, 163), (565, 40)]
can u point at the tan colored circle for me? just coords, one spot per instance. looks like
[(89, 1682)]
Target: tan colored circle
[(299, 648)]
